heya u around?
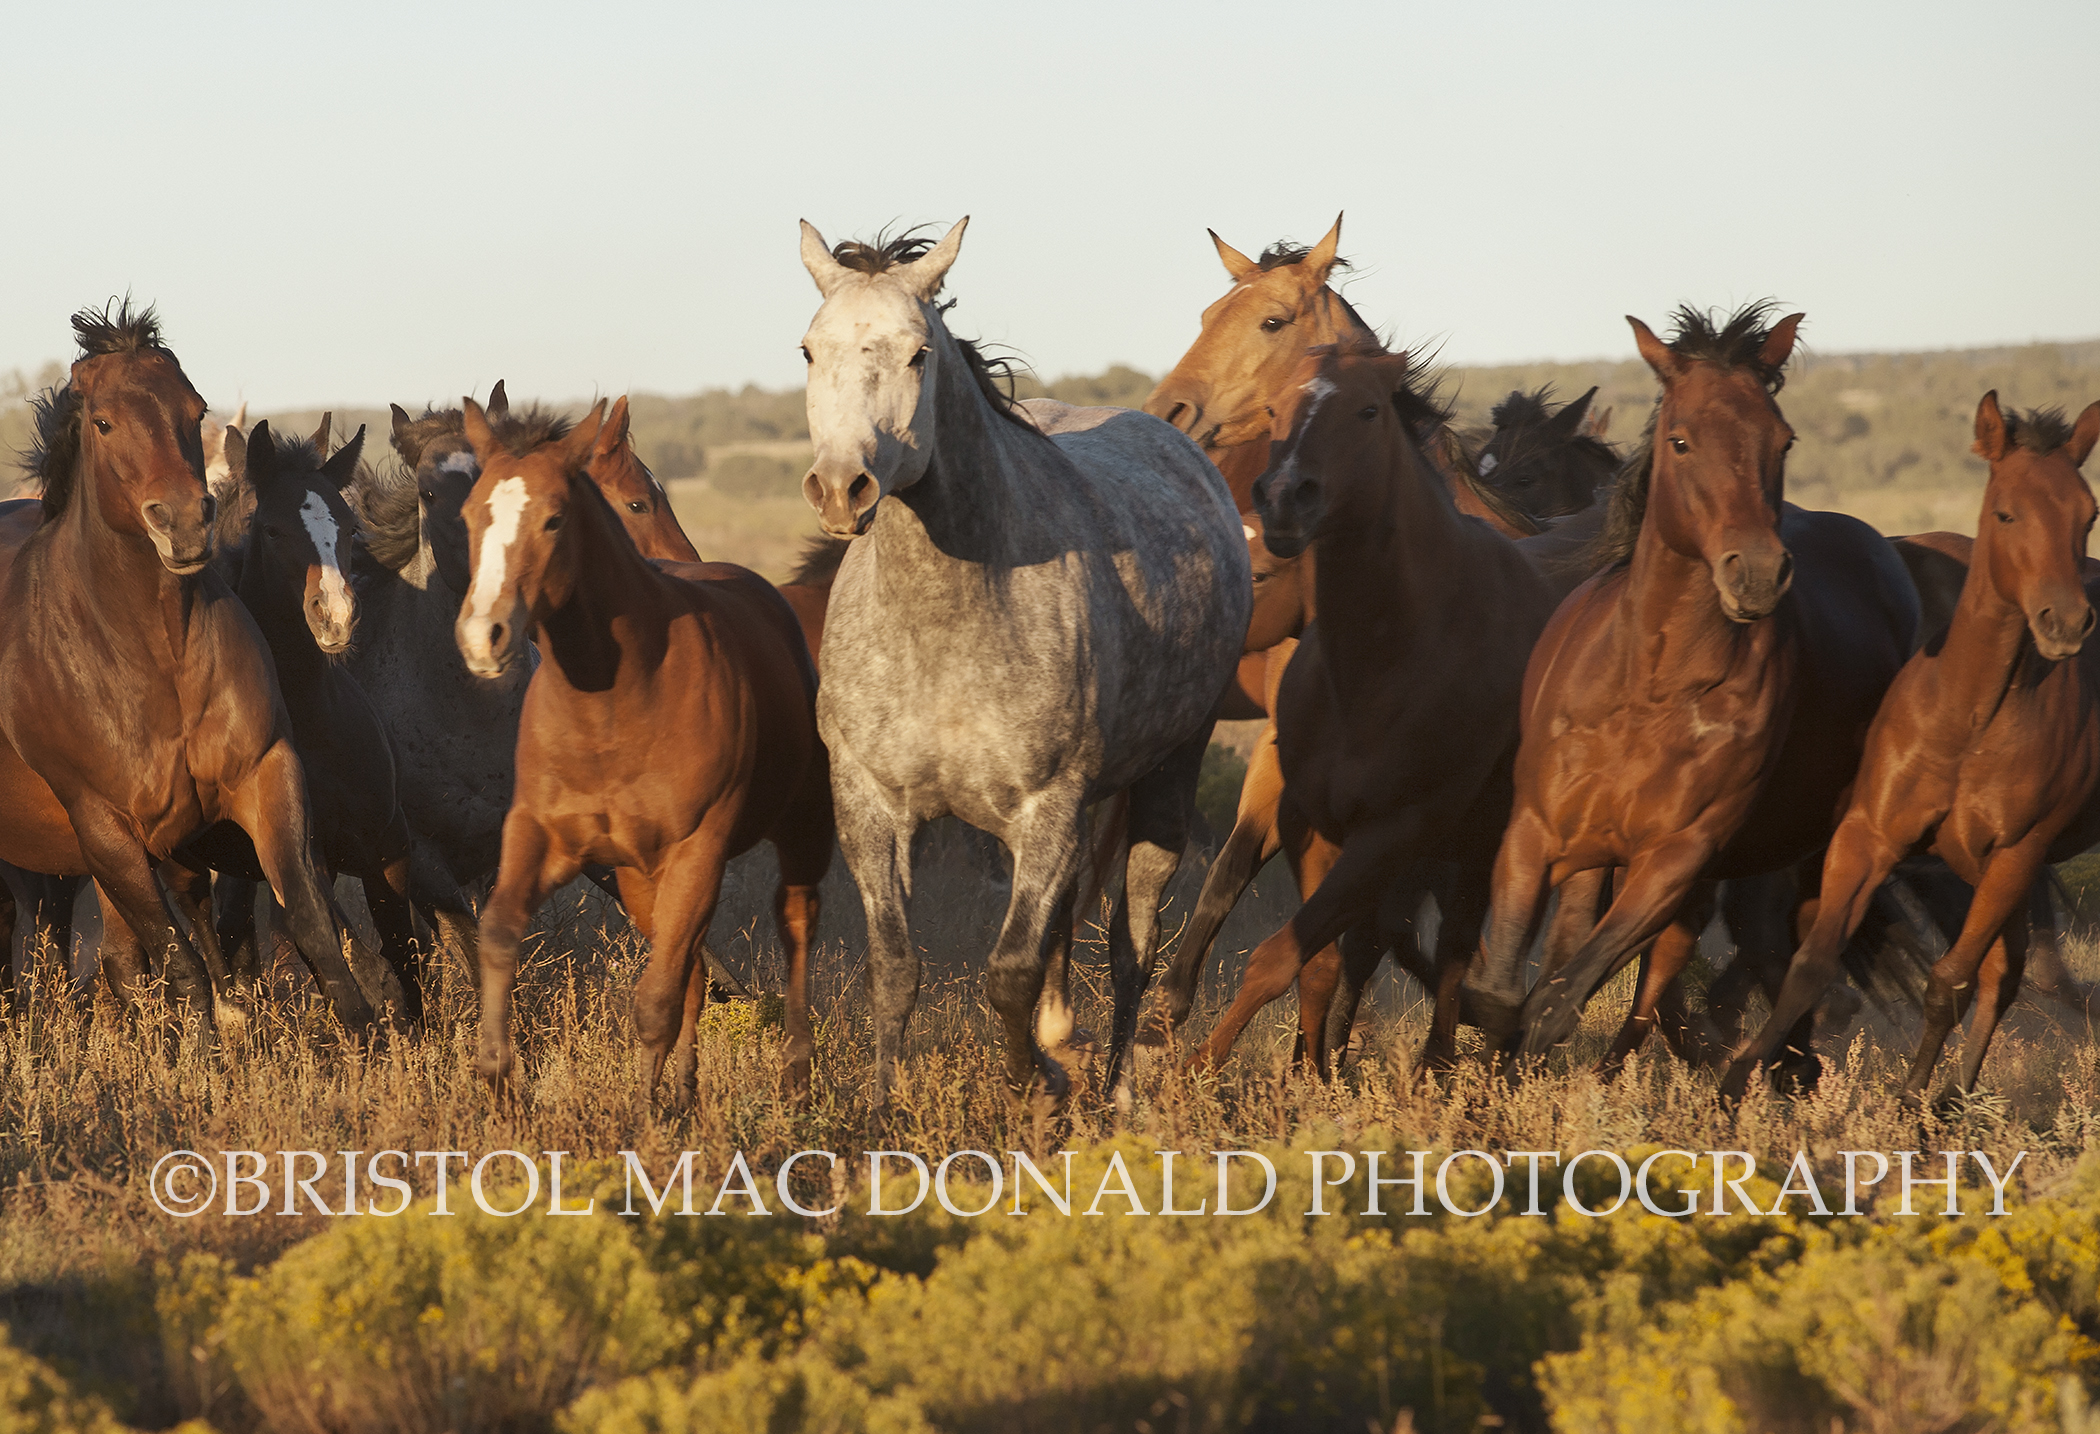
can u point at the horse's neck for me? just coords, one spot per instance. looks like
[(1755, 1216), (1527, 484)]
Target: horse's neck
[(122, 580), (1381, 573), (964, 512), (1986, 649), (1677, 639), (302, 670), (612, 582)]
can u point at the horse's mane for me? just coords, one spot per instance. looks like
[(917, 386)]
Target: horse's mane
[(818, 562), (993, 374), (1738, 342), (385, 498), (1283, 252), (2038, 430), (1522, 412), (54, 450)]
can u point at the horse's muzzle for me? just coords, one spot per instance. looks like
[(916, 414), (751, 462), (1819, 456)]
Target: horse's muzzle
[(845, 506), (488, 644), (2060, 631), (1751, 583)]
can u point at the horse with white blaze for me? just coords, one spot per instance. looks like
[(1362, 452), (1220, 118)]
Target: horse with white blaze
[(1041, 607)]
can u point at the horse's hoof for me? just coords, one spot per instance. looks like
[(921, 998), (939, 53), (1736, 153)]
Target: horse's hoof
[(1497, 1017), (1797, 1073)]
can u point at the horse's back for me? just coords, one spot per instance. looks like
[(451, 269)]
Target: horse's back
[(755, 604)]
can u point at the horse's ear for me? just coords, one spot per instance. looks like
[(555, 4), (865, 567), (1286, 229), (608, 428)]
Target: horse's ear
[(816, 257), (401, 421), (236, 456), (261, 455), (1321, 259), (1779, 344), (2082, 436), (479, 434), (614, 432), (240, 416), (321, 434), (924, 275), (1599, 424), (499, 401), (1990, 442), (1568, 422), (576, 448), (340, 469), (1236, 264), (1666, 361)]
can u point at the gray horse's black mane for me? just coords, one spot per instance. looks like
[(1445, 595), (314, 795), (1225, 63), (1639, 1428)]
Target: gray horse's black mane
[(994, 374), (819, 560), (2038, 430), (54, 449), (1737, 342), (385, 498)]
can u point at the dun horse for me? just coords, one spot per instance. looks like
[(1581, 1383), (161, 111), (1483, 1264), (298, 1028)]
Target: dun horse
[(137, 701), (668, 728), (1696, 710), (1397, 717), (1041, 607), (1986, 751)]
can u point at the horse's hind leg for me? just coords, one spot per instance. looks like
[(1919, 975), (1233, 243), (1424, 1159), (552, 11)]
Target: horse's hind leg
[(1161, 804), (133, 899), (2000, 900), (1363, 946), (1661, 966), (1253, 841), (1045, 839), (803, 843), (672, 988), (1518, 890), (875, 839)]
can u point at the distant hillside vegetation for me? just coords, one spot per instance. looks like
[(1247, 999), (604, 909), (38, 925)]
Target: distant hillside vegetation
[(1883, 436)]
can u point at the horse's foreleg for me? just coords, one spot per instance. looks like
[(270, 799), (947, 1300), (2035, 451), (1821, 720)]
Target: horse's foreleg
[(1363, 946), (529, 870), (2000, 895), (1860, 857), (672, 988), (271, 807), (1517, 899), (134, 898), (1045, 840), (1312, 858), (1253, 841), (875, 839), (803, 842), (1161, 805), (1657, 881), (1660, 967), (1461, 913)]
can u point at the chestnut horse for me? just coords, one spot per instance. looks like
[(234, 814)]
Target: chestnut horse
[(1986, 750), (643, 505), (1397, 717), (137, 699), (669, 727), (1696, 710)]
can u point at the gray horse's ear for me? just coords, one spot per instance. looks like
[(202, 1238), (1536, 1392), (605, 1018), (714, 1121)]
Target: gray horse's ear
[(1568, 422), (340, 469), (923, 276), (479, 434), (816, 257), (1238, 265), (321, 434), (499, 401), (260, 456)]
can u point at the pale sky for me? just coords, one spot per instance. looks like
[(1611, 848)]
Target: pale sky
[(410, 201)]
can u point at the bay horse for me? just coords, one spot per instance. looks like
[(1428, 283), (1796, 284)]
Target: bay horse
[(1042, 606), (808, 588), (294, 582), (669, 727), (643, 505), (1986, 750), (1396, 718), (1696, 710), (137, 699)]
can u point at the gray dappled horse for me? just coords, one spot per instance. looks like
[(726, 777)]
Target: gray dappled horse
[(1041, 607)]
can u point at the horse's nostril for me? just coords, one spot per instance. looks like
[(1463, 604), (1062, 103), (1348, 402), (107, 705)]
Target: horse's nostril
[(158, 515), (1785, 570), (859, 490), (495, 635)]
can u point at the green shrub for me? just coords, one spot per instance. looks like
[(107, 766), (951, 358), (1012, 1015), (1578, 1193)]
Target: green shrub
[(34, 1400), (467, 1322)]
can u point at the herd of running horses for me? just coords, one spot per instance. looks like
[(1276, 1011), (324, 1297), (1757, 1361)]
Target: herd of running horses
[(1561, 694)]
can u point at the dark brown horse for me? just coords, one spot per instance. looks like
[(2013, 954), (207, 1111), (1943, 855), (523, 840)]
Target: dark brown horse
[(1546, 460), (643, 505), (1695, 711), (137, 700), (294, 571), (1986, 750), (1397, 717), (670, 725)]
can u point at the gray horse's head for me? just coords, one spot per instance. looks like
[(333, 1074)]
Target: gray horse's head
[(874, 350)]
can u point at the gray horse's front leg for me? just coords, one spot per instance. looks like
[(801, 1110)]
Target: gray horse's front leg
[(1046, 841), (875, 838), (1161, 804)]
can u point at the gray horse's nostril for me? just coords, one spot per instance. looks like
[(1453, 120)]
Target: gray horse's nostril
[(858, 491)]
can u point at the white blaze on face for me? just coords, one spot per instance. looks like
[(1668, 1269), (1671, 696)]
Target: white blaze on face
[(460, 462), (506, 506), (320, 526)]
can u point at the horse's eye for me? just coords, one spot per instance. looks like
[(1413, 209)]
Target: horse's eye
[(1368, 413), (554, 522), (101, 425), (430, 495), (270, 532), (637, 506), (1271, 324), (2005, 517), (918, 360), (805, 355), (1678, 445)]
